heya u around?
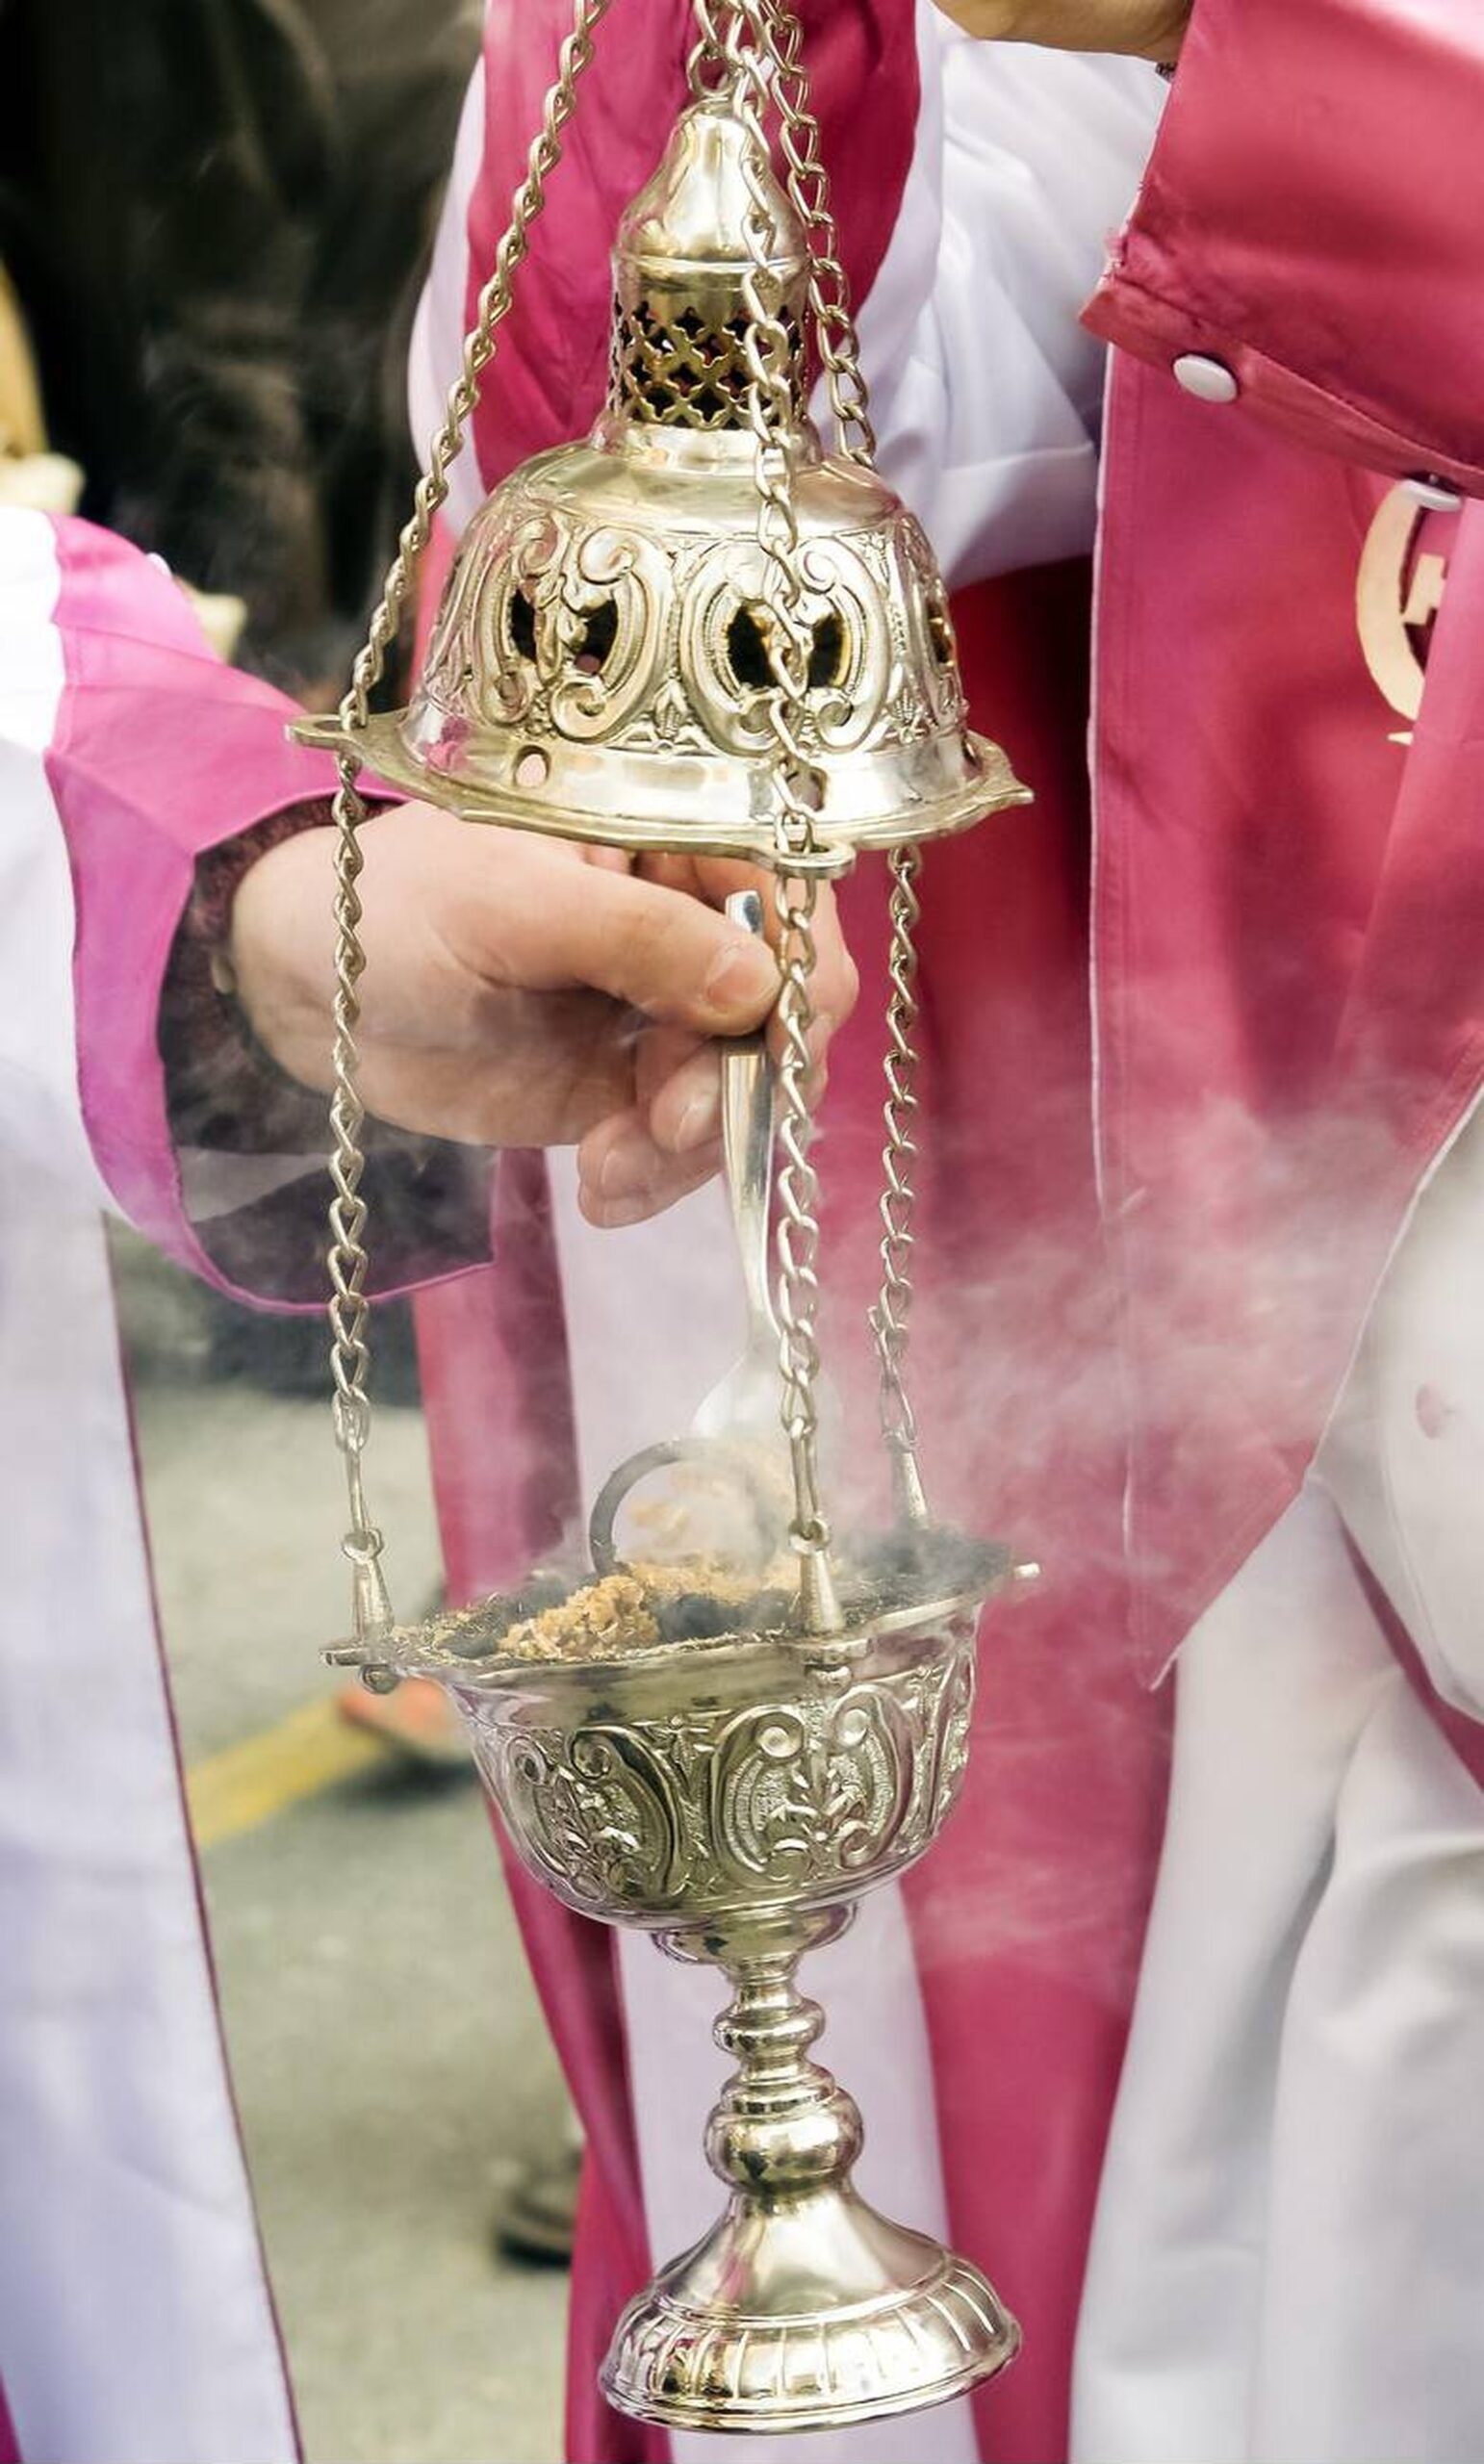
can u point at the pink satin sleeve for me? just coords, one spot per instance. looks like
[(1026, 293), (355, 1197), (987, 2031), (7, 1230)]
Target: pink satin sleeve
[(1312, 217), (160, 751)]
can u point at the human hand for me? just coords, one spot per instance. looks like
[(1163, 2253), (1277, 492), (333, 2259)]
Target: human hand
[(525, 992), (1144, 29)]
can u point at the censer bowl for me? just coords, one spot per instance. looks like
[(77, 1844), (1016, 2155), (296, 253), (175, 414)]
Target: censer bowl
[(735, 1799)]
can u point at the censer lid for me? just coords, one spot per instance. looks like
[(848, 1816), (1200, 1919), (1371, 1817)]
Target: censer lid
[(600, 669), (690, 219), (679, 329)]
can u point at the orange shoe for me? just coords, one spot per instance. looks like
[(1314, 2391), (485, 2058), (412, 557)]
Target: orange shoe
[(416, 1721)]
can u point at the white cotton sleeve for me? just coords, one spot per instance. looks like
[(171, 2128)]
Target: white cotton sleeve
[(438, 328), (42, 1137), (986, 390)]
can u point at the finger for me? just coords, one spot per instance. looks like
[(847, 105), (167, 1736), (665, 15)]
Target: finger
[(659, 951), (545, 1082), (684, 1111), (624, 1178), (685, 1108), (1144, 29), (660, 1054), (835, 985), (620, 1158)]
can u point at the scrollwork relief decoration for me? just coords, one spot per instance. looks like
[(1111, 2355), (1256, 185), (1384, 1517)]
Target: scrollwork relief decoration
[(709, 1808), (729, 676), (595, 1811), (800, 1798), (933, 658)]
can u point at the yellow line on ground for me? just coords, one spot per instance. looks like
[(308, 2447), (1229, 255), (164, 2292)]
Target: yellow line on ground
[(246, 1784)]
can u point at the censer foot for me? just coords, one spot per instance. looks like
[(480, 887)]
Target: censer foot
[(802, 2308)]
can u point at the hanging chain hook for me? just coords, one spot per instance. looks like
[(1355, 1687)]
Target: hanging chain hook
[(348, 1260), (839, 345), (797, 786), (899, 1196), (835, 337)]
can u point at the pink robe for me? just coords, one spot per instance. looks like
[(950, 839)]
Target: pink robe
[(1131, 1374)]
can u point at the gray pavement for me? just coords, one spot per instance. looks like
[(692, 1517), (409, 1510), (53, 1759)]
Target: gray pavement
[(390, 2060)]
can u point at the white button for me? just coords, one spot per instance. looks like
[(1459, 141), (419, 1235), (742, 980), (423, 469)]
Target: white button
[(1210, 380), (1434, 496)]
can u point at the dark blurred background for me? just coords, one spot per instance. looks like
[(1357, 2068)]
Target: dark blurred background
[(215, 215)]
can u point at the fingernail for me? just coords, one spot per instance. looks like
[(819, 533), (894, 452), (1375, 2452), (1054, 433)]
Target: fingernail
[(700, 1121), (740, 977)]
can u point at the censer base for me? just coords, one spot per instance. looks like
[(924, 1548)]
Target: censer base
[(735, 1799), (818, 2315), (802, 2308)]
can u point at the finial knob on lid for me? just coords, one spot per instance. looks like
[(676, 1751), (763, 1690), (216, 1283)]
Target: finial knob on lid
[(679, 325)]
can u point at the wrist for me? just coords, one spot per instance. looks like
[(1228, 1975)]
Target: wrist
[(228, 1088), (258, 963)]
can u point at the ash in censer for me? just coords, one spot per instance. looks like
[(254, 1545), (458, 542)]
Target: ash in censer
[(644, 1605)]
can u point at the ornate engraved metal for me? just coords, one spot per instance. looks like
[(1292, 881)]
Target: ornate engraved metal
[(736, 1799), (600, 666), (677, 370), (797, 1795), (793, 2369)]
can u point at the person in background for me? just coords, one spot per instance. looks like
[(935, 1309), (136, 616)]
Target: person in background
[(214, 218), (1220, 1384), (166, 942)]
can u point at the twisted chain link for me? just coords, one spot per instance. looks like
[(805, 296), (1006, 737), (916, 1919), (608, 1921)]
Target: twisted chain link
[(808, 188), (777, 29), (708, 59), (348, 1261), (899, 1198), (798, 786)]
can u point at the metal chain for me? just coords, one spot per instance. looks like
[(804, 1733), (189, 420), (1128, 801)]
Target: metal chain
[(899, 1198), (349, 1262), (709, 55), (797, 785), (808, 188), (777, 29)]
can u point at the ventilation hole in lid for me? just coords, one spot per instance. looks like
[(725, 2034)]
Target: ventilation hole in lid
[(521, 620), (827, 655), (598, 635), (748, 651), (747, 648)]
